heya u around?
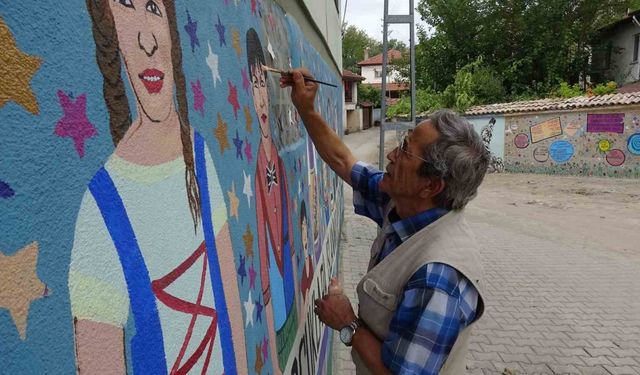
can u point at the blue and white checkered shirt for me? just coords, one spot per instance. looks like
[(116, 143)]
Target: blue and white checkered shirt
[(438, 301)]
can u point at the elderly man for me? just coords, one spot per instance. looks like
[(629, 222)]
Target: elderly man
[(423, 289)]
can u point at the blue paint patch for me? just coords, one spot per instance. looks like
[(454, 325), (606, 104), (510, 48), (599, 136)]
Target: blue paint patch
[(633, 144), (5, 190), (561, 151)]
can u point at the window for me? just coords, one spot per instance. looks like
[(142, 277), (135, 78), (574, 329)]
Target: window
[(377, 73), (348, 92), (636, 40)]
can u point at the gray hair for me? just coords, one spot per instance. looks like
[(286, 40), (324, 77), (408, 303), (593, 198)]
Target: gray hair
[(458, 156)]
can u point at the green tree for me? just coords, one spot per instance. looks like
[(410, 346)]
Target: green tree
[(354, 43)]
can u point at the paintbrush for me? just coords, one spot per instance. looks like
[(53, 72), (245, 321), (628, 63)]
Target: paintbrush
[(283, 73)]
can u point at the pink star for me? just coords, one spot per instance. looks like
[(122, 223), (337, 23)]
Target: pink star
[(74, 123), (252, 277), (246, 84), (247, 150), (253, 7), (233, 99), (198, 97), (265, 348)]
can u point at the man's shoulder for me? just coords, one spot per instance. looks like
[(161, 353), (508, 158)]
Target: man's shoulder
[(438, 276)]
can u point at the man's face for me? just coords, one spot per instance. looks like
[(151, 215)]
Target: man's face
[(402, 178)]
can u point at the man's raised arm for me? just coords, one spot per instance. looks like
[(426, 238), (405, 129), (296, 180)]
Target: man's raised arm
[(329, 145)]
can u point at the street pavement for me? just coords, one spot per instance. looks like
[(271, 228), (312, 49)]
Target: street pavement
[(551, 308)]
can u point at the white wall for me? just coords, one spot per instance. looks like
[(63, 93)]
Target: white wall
[(623, 69), (368, 72)]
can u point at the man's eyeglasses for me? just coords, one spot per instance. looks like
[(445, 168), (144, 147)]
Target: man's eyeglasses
[(402, 146)]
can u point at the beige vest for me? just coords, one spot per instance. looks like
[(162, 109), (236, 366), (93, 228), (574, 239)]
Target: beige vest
[(448, 240)]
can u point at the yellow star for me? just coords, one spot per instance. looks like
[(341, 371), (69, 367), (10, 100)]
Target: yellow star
[(16, 71), (235, 36), (248, 242), (221, 134), (233, 201), (20, 284), (248, 119), (258, 366)]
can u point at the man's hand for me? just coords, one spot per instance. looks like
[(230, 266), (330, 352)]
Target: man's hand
[(334, 308), (303, 93)]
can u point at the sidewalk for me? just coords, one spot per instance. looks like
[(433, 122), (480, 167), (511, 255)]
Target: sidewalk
[(552, 307)]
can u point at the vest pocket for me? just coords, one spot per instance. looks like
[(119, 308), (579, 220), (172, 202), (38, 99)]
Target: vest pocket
[(388, 300)]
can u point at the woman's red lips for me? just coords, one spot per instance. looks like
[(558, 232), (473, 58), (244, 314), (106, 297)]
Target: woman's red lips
[(152, 80)]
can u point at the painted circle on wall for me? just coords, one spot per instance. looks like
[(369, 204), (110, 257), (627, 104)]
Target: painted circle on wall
[(633, 144), (521, 140), (541, 154), (604, 145), (615, 157), (561, 151)]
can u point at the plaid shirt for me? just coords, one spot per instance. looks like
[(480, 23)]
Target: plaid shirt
[(437, 302)]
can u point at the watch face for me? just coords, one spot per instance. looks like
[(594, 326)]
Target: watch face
[(346, 333)]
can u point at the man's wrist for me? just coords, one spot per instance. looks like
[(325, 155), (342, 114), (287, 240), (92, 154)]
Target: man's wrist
[(306, 115)]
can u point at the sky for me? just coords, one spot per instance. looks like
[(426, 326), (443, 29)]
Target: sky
[(367, 15)]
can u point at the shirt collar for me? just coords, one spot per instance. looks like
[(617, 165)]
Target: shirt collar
[(405, 228)]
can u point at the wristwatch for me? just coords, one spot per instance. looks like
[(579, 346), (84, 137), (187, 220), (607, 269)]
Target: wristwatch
[(347, 332)]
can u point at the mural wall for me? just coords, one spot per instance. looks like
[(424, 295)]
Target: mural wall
[(491, 129), (162, 208), (601, 142)]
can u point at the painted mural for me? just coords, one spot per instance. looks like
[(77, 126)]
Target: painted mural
[(591, 143), (491, 129), (163, 210)]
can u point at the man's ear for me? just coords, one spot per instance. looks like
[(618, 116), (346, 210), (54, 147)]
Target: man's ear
[(432, 187)]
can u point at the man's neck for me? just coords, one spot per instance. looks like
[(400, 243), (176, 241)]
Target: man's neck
[(409, 207)]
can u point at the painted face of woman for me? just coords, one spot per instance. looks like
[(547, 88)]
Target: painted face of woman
[(144, 42), (260, 98)]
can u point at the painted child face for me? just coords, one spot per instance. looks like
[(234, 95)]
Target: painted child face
[(144, 42), (260, 98)]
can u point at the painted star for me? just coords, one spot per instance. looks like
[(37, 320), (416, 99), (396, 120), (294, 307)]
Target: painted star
[(247, 238), (247, 188), (212, 62), (220, 132), (242, 270), (198, 97), (259, 363), (252, 276), (246, 84), (20, 285), (249, 308), (248, 119), (5, 190), (74, 123), (233, 99), (234, 202), (259, 307), (16, 71), (247, 150), (235, 42), (253, 7), (265, 348), (191, 28), (220, 29), (238, 143)]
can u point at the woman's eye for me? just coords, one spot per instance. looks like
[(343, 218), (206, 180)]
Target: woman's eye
[(126, 3), (153, 8)]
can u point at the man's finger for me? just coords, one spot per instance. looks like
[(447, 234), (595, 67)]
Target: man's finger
[(298, 80)]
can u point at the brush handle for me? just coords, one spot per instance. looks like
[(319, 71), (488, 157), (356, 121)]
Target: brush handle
[(309, 79)]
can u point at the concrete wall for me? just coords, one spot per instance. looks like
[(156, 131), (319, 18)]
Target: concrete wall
[(127, 243), (623, 69), (354, 120), (602, 142)]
